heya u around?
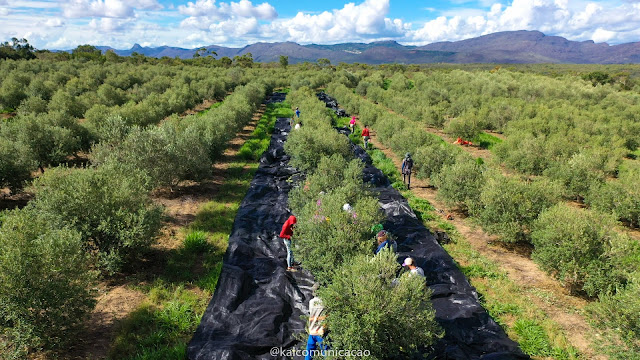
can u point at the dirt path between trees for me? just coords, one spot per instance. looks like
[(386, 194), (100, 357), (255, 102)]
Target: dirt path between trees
[(560, 307), (117, 298)]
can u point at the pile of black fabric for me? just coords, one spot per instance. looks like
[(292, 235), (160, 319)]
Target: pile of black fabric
[(257, 304), (332, 103), (276, 97)]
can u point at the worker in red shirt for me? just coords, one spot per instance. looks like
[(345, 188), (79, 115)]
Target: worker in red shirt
[(285, 234), (365, 136)]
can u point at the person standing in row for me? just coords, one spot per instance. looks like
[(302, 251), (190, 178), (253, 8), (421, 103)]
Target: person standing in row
[(365, 136), (407, 166), (298, 113), (316, 325), (352, 124), (285, 234)]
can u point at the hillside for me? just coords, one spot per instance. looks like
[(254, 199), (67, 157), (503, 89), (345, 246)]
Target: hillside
[(502, 47)]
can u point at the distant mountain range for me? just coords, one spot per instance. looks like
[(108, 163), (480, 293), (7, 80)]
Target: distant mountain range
[(502, 47)]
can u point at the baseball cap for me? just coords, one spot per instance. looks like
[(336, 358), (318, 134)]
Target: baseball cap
[(408, 261)]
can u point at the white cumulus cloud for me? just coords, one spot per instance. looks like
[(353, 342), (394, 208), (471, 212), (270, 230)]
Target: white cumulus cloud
[(53, 22), (226, 21), (110, 25), (207, 9), (577, 20), (107, 8), (366, 20)]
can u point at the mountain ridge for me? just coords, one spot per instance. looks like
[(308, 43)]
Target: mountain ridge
[(522, 46)]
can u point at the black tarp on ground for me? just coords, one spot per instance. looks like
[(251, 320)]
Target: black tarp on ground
[(257, 304), (470, 333)]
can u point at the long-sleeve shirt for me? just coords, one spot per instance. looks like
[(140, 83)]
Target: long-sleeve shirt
[(287, 228), (316, 317), (382, 246)]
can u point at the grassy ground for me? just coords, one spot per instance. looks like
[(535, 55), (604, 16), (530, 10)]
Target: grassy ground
[(253, 148), (215, 105), (161, 327), (486, 141), (505, 301)]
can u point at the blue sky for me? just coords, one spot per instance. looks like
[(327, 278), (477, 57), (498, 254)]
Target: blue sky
[(57, 24)]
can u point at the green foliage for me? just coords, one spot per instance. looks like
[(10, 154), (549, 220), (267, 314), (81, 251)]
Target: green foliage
[(525, 153), (316, 138), (284, 61), (44, 280), (466, 126), (326, 235), (16, 164), (576, 246), (308, 145), (50, 137), (486, 141), (196, 241), (16, 49), (86, 53), (508, 206), (109, 206), (620, 311), (367, 309), (67, 103), (533, 340), (12, 92), (620, 197), (430, 159), (253, 148), (154, 332), (216, 128), (585, 169), (598, 78), (32, 104), (165, 153), (460, 184)]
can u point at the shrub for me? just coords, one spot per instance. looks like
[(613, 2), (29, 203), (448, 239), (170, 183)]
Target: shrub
[(509, 206), (367, 309), (308, 145), (585, 169), (620, 197), (32, 104), (620, 311), (429, 159), (165, 153), (111, 96), (326, 235), (67, 103), (524, 152), (49, 142), (466, 126), (11, 93), (16, 164), (44, 282), (574, 245), (459, 184), (109, 206), (409, 138)]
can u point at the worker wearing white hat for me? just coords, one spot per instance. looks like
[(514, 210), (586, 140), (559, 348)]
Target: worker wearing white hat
[(413, 269)]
